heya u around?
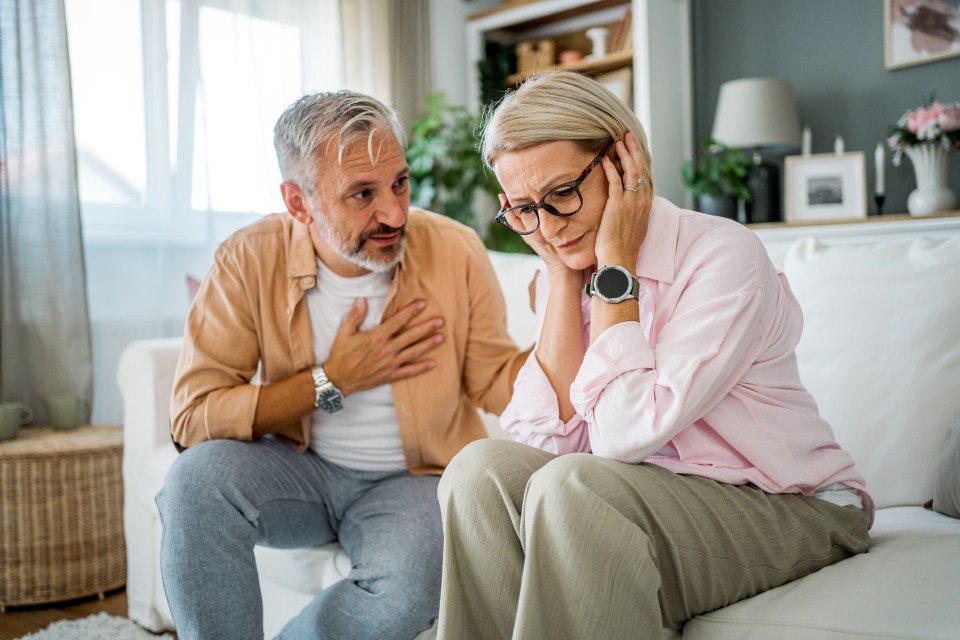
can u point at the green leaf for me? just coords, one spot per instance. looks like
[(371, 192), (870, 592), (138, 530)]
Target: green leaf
[(446, 170), (721, 170)]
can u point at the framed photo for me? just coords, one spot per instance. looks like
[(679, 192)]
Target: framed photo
[(826, 186), (620, 82), (918, 31)]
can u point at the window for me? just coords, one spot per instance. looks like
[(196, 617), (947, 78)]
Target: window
[(108, 101), (175, 102)]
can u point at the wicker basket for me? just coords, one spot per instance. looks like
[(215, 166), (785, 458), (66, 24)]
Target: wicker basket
[(61, 515), (535, 56)]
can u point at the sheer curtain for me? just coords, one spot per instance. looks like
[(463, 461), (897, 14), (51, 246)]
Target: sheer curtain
[(387, 52), (45, 345)]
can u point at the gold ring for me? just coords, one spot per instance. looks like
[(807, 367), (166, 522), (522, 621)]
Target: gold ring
[(640, 181)]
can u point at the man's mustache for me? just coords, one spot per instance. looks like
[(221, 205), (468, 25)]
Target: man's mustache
[(382, 230)]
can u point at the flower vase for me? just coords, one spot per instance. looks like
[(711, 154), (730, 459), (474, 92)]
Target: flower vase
[(932, 195)]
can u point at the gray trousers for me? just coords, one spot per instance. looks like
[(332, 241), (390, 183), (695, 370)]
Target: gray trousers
[(222, 497), (582, 547)]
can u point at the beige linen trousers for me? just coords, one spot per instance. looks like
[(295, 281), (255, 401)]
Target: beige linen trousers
[(538, 546)]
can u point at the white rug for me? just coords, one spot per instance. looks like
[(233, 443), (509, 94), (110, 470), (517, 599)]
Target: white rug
[(99, 627)]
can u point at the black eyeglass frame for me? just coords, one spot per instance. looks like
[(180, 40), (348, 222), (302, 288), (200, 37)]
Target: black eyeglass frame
[(541, 204)]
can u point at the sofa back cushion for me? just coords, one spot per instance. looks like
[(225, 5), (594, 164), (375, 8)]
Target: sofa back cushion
[(880, 353), (514, 272)]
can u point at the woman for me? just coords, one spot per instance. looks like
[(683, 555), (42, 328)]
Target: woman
[(668, 461)]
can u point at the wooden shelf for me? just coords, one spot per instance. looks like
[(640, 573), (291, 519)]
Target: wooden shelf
[(609, 62), (887, 217), (579, 8)]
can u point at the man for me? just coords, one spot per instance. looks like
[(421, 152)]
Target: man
[(377, 330)]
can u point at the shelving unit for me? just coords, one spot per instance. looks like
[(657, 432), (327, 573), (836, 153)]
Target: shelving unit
[(609, 62), (660, 64), (561, 21)]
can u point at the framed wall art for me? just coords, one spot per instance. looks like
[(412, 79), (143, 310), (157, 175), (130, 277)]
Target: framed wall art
[(918, 31), (826, 186)]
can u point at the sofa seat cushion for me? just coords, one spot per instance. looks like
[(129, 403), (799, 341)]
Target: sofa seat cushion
[(309, 570), (905, 586)]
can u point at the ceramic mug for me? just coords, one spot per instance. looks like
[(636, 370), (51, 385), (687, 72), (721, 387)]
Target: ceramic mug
[(12, 416), (67, 411)]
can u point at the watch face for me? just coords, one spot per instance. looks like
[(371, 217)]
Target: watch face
[(612, 283), (330, 400)]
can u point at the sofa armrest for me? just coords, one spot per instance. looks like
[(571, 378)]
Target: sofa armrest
[(145, 376)]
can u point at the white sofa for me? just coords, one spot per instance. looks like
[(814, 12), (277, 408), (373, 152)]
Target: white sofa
[(880, 352)]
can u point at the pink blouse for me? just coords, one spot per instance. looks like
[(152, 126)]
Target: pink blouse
[(706, 383)]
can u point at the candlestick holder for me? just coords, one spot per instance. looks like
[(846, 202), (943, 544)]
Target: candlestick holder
[(878, 199)]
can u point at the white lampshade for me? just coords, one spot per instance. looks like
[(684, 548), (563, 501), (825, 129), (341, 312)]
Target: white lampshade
[(757, 112)]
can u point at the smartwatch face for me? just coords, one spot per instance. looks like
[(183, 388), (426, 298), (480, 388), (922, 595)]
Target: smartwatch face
[(612, 283)]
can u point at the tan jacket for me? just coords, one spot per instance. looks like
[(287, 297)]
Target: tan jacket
[(251, 310)]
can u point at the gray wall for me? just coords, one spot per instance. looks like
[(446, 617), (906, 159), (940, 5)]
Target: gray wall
[(832, 53)]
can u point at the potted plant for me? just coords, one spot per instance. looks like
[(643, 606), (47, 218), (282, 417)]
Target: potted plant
[(448, 176), (719, 179)]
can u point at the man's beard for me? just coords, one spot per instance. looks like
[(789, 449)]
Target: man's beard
[(355, 252)]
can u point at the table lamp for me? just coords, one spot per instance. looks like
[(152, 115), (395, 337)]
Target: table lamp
[(758, 114)]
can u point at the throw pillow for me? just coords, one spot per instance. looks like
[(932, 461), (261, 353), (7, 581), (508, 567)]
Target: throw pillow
[(880, 353), (193, 286), (946, 490)]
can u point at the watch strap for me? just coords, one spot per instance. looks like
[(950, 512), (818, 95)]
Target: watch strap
[(326, 394)]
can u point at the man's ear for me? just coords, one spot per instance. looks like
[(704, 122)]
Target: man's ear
[(296, 201)]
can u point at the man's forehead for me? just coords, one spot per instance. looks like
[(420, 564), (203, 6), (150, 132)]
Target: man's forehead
[(366, 153)]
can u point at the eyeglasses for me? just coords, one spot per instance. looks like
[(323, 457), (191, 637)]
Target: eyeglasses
[(563, 201)]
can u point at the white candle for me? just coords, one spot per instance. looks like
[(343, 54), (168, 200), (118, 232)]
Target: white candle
[(838, 145), (879, 159), (805, 146)]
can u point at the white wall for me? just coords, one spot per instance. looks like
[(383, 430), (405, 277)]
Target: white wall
[(448, 34)]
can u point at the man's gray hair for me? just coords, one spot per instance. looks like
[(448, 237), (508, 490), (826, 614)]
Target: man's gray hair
[(342, 117)]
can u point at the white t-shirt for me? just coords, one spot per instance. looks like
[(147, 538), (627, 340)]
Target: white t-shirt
[(364, 434)]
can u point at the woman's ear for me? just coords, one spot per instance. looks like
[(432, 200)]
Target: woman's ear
[(296, 201)]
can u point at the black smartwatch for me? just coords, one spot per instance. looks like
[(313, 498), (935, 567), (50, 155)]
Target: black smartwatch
[(613, 284)]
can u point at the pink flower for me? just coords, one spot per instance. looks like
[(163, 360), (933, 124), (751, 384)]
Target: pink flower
[(919, 120), (937, 123), (949, 118)]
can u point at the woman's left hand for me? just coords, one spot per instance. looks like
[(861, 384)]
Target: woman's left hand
[(623, 224)]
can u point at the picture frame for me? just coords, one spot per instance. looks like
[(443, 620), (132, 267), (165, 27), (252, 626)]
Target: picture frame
[(826, 186), (919, 31), (620, 82)]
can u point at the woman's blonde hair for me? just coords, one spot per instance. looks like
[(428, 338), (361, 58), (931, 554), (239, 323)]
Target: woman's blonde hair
[(560, 105)]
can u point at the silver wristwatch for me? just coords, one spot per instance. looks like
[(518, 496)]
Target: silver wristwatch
[(613, 284), (328, 396)]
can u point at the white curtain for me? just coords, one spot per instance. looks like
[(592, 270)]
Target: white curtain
[(45, 344), (386, 45)]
